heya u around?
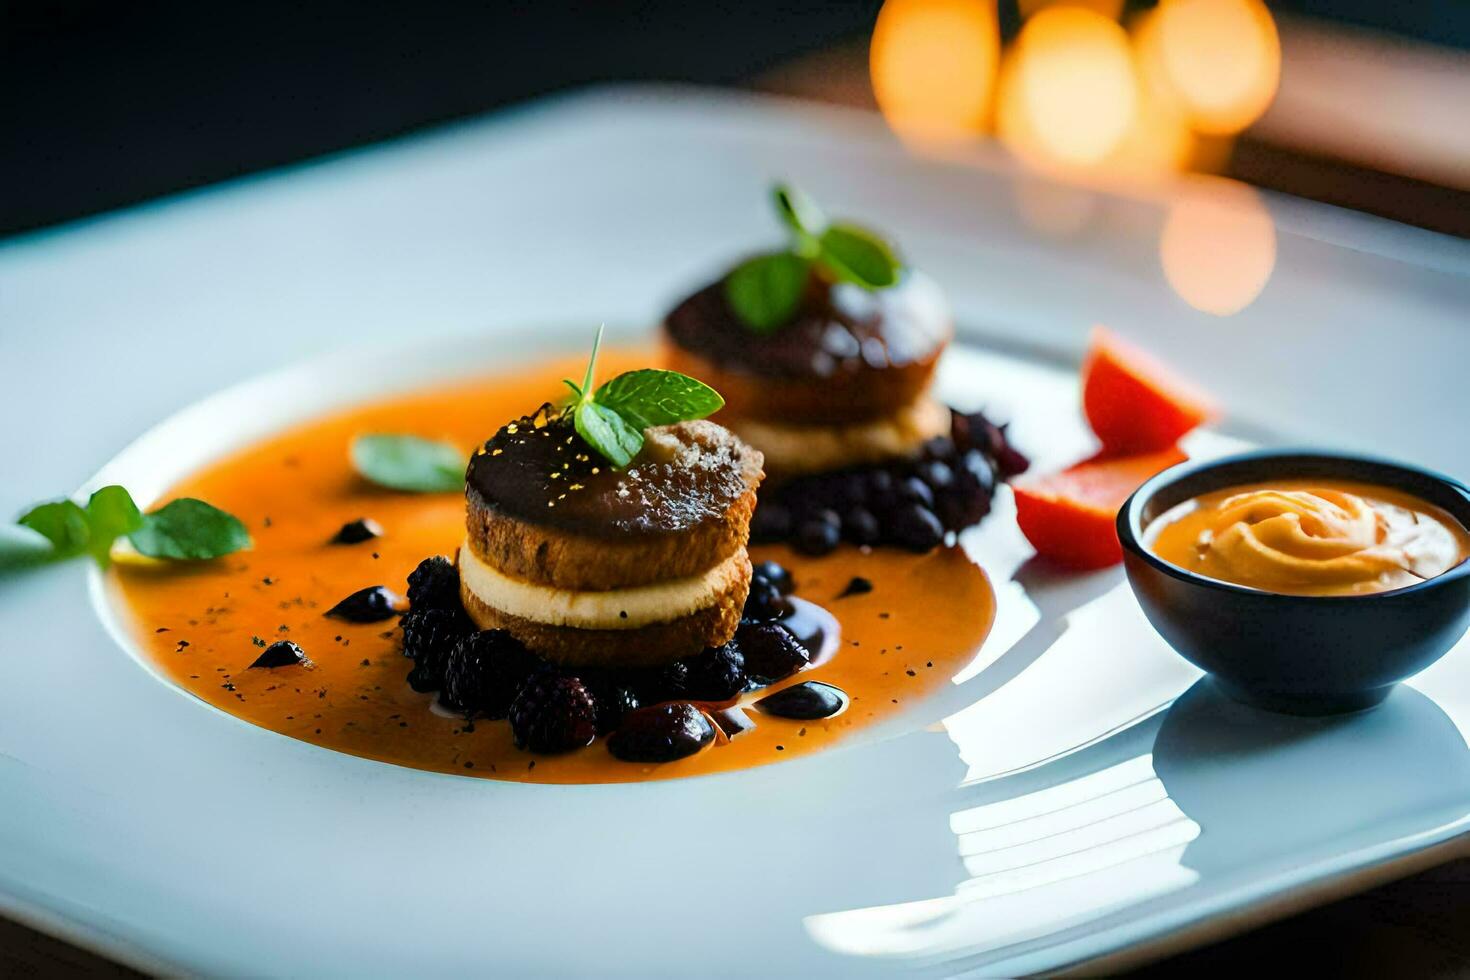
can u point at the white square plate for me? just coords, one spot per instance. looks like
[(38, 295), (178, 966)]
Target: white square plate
[(1048, 809)]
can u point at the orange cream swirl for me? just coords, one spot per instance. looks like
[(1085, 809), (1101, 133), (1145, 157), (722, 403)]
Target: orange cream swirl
[(1315, 538)]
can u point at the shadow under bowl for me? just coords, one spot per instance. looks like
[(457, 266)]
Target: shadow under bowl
[(1306, 655)]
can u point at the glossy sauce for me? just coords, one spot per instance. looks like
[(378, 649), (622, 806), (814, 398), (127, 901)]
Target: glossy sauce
[(1311, 537), (203, 625)]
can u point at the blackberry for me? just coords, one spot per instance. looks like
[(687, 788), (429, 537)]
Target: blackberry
[(667, 683), (553, 713), (370, 605), (776, 574), (485, 671), (661, 734), (975, 431), (428, 637), (434, 585), (764, 602), (612, 699), (716, 674), (771, 652)]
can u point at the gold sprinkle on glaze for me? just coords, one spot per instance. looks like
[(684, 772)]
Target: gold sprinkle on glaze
[(576, 486), (496, 452), (511, 429)]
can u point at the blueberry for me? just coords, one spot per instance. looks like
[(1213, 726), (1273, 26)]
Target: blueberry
[(771, 522), (914, 490), (358, 531), (370, 605), (937, 474), (881, 488), (819, 534), (915, 527), (939, 447), (764, 602), (975, 472), (808, 701), (850, 490), (282, 653), (776, 574), (661, 734), (860, 526), (771, 652)]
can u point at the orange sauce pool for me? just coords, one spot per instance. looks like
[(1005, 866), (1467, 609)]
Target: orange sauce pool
[(199, 624)]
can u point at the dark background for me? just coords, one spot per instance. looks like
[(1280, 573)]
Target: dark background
[(104, 104)]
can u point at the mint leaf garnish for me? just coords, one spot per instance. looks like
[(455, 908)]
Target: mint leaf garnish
[(21, 546), (111, 514), (800, 214), (185, 529), (61, 522), (650, 397), (858, 256), (611, 419), (402, 462), (608, 432), (188, 529), (766, 292)]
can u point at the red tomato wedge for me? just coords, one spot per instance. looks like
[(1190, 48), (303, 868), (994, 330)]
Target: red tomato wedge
[(1069, 516), (1133, 403)]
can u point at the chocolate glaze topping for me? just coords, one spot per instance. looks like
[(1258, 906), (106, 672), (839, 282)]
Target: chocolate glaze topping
[(839, 329), (537, 469)]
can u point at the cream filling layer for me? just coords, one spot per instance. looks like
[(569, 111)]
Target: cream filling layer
[(793, 450), (613, 609)]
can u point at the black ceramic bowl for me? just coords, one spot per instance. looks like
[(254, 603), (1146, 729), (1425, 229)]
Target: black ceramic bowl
[(1293, 653)]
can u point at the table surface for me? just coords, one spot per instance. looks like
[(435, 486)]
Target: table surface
[(88, 296)]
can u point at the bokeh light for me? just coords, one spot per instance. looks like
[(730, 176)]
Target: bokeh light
[(933, 65), (1068, 91), (1219, 61), (1218, 245)]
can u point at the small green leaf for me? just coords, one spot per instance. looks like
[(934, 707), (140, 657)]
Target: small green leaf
[(766, 291), (799, 212), (21, 546), (403, 462), (651, 397), (607, 432), (190, 530), (859, 256), (63, 523), (111, 514)]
